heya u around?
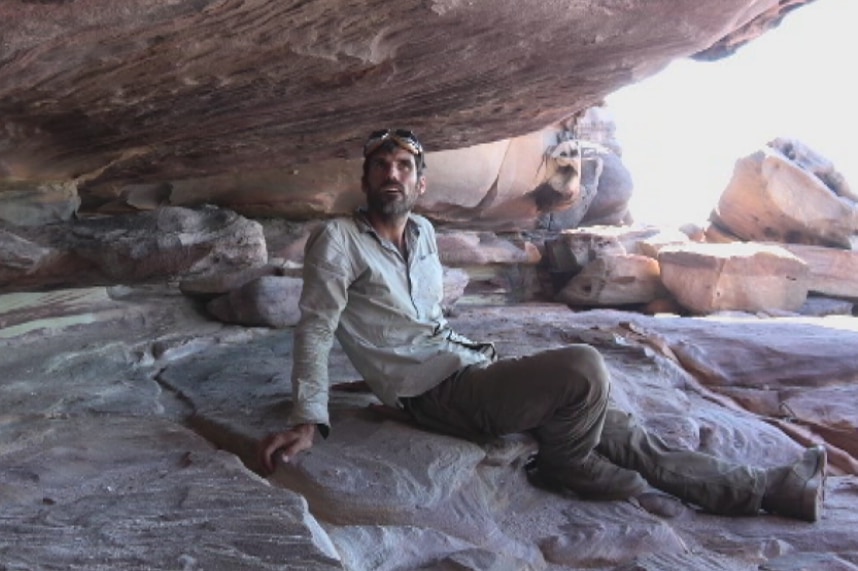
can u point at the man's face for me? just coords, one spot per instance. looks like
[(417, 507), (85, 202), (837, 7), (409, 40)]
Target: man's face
[(391, 183)]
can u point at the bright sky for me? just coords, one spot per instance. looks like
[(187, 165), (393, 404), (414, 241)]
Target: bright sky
[(682, 130)]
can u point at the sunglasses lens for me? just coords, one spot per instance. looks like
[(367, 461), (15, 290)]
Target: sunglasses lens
[(408, 138), (402, 137)]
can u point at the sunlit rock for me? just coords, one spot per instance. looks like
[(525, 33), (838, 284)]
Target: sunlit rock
[(741, 276), (773, 199), (831, 271)]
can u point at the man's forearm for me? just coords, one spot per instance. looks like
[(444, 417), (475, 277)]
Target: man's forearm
[(310, 381)]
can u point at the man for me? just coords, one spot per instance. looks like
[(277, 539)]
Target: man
[(375, 282)]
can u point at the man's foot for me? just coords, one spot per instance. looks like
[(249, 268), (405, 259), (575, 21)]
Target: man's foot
[(797, 491), (591, 478)]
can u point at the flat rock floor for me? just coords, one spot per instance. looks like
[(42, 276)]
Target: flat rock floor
[(128, 421)]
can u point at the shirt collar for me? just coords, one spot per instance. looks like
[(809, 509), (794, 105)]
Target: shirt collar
[(360, 217)]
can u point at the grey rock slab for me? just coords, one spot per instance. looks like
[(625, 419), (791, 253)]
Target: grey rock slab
[(389, 548), (96, 350), (142, 493), (392, 474), (70, 474), (602, 535)]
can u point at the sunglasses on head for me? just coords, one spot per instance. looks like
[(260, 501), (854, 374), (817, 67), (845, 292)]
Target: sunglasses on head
[(402, 137)]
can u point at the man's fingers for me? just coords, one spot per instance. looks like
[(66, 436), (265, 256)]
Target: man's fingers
[(284, 446), (270, 447)]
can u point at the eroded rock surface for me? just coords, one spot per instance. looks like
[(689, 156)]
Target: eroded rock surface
[(131, 100), (127, 412)]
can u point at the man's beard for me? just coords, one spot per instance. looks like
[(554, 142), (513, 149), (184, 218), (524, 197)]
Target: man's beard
[(391, 206)]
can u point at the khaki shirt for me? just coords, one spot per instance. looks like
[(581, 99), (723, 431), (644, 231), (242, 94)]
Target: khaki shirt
[(384, 310)]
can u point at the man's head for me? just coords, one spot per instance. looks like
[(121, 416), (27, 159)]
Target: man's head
[(393, 176), (388, 139)]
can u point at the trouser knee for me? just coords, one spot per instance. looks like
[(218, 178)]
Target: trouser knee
[(583, 362)]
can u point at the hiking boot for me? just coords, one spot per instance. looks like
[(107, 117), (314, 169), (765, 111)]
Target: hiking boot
[(797, 491), (591, 478)]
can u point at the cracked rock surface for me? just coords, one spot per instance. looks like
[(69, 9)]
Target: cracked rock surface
[(129, 421)]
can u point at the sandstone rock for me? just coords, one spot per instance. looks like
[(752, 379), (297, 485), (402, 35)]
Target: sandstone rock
[(267, 301), (651, 243), (285, 240), (770, 198), (741, 276), (455, 282), (572, 250), (224, 282), (821, 306), (813, 162), (606, 180), (831, 271), (125, 492), (169, 243), (502, 284), (35, 204), (611, 204), (615, 280), (278, 87), (20, 257), (462, 248), (96, 446), (264, 297)]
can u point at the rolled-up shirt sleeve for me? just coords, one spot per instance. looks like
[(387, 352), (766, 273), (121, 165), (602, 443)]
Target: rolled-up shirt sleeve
[(327, 275)]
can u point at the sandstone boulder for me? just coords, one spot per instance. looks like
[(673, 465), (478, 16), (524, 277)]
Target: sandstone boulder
[(615, 280), (37, 203), (771, 198), (831, 271), (168, 243), (268, 301), (707, 278)]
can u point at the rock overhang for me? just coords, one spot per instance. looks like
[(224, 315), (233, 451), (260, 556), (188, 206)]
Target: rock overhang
[(113, 94)]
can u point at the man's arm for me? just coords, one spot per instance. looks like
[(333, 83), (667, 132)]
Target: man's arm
[(327, 275)]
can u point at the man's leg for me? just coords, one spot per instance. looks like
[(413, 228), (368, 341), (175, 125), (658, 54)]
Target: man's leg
[(795, 490), (560, 396), (713, 484)]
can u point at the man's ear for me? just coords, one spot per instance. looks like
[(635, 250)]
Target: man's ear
[(363, 184), (421, 184)]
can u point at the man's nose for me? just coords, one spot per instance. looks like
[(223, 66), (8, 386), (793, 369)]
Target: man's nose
[(392, 171)]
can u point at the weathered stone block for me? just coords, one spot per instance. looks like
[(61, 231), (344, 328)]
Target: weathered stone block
[(741, 276)]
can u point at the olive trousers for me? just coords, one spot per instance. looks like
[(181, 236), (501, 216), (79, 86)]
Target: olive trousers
[(560, 396)]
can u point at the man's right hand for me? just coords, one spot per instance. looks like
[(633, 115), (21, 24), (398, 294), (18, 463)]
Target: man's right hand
[(284, 445)]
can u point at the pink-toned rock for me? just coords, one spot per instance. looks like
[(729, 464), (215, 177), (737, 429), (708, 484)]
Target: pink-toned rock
[(831, 271), (255, 86), (706, 278), (772, 199), (615, 281), (462, 248)]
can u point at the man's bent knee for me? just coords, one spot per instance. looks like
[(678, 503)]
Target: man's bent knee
[(583, 362)]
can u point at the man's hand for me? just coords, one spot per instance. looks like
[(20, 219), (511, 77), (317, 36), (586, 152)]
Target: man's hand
[(285, 445)]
